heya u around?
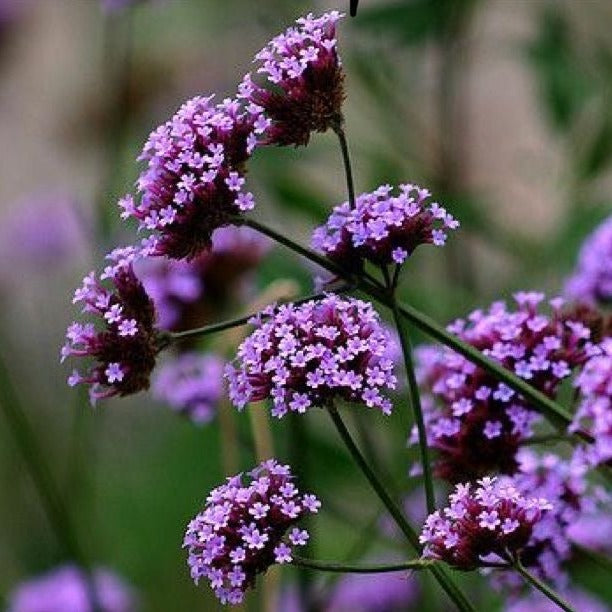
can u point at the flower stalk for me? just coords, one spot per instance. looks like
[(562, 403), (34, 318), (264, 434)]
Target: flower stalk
[(331, 566), (542, 587)]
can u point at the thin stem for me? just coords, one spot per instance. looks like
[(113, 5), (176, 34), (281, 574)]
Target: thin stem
[(543, 588), (347, 163), (415, 403), (546, 439), (340, 568), (439, 572), (353, 8)]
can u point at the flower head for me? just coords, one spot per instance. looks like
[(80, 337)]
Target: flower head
[(490, 519), (192, 384), (305, 356), (125, 342), (244, 529), (476, 422), (194, 180), (303, 82), (383, 228)]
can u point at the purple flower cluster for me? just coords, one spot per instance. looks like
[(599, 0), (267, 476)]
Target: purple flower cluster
[(194, 180), (482, 525), (303, 89), (65, 590), (242, 530), (475, 422), (592, 279), (537, 602), (308, 355), (595, 411), (192, 384), (124, 349), (383, 228), (190, 293)]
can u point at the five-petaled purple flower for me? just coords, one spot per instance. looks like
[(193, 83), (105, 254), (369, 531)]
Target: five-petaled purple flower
[(308, 355), (303, 89), (491, 523), (125, 344), (244, 529), (476, 422), (383, 228)]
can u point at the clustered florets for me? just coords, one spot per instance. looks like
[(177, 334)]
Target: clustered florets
[(125, 349), (383, 228), (192, 384), (242, 530), (308, 355), (492, 522), (475, 422), (194, 181), (303, 89)]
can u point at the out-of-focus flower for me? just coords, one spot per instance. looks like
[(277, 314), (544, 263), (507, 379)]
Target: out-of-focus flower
[(125, 344), (303, 89), (65, 589), (383, 228), (190, 293), (538, 602), (475, 422), (593, 529), (308, 355), (194, 180), (243, 530), (487, 523), (592, 279), (192, 384)]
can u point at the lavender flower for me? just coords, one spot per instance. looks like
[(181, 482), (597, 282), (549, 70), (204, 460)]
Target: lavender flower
[(537, 602), (65, 590), (194, 180), (190, 293), (308, 355), (192, 384), (475, 422), (592, 279), (383, 228), (303, 90), (242, 530), (125, 348), (494, 520)]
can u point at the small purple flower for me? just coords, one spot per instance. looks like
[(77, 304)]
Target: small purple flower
[(308, 355), (126, 342), (476, 524), (65, 590), (303, 79), (230, 543), (383, 228)]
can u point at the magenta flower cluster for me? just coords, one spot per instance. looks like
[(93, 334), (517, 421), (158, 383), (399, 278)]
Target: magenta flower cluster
[(383, 228), (244, 529), (124, 343), (475, 422), (194, 181), (490, 523), (308, 355), (303, 81)]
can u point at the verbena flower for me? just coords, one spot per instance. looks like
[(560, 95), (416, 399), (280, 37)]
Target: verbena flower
[(383, 228), (476, 422), (65, 589), (308, 355), (192, 384), (194, 181), (303, 87), (124, 343), (483, 523), (538, 602), (245, 528), (190, 293), (592, 279), (595, 409)]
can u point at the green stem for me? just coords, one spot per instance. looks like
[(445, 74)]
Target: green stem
[(331, 566), (439, 572), (339, 130), (415, 402), (543, 588)]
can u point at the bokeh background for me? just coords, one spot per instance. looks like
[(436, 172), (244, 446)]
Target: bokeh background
[(501, 107)]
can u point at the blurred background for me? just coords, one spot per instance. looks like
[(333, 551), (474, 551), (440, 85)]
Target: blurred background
[(500, 107)]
